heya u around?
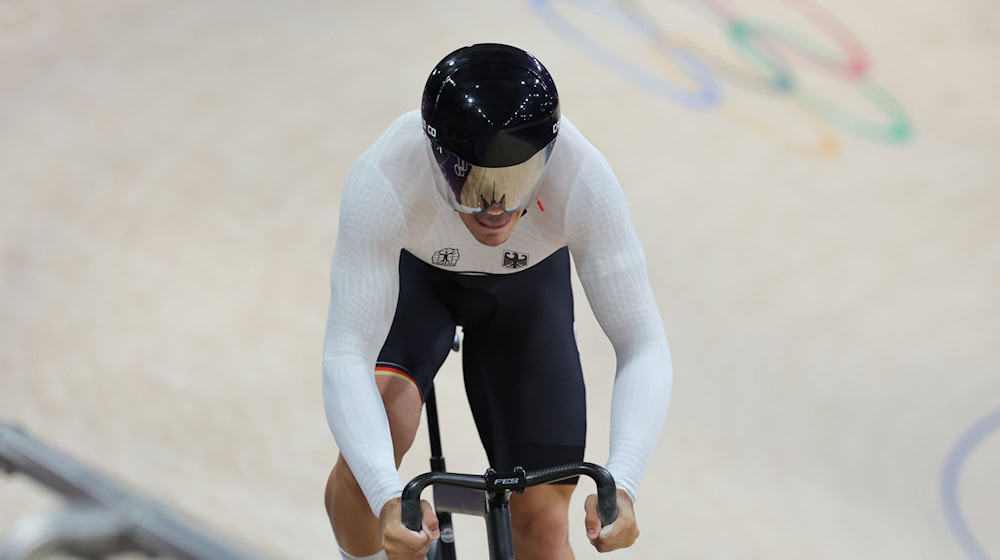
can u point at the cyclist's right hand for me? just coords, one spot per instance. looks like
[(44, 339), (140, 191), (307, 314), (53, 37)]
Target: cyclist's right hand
[(401, 543)]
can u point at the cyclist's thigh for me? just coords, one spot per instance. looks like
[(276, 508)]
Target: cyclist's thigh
[(523, 374), (421, 334)]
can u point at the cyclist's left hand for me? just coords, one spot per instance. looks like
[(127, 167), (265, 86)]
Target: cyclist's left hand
[(620, 534)]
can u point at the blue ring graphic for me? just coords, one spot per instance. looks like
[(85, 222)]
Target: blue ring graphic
[(949, 483), (707, 94)]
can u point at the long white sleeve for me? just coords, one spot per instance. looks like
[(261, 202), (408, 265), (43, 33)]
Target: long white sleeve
[(364, 282), (586, 210), (612, 269)]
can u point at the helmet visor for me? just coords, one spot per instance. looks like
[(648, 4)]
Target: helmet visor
[(472, 188)]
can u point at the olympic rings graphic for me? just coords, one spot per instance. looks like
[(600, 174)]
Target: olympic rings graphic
[(705, 94), (897, 129), (764, 52), (762, 75)]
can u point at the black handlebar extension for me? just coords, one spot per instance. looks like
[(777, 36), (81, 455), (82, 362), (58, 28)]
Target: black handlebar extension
[(607, 499)]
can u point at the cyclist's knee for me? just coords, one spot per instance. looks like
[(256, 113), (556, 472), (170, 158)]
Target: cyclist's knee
[(541, 527), (340, 482), (354, 525), (403, 406)]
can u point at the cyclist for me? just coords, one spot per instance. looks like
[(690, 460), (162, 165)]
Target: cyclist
[(518, 190)]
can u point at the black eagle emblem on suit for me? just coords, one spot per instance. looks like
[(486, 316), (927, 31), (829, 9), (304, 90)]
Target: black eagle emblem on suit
[(513, 259)]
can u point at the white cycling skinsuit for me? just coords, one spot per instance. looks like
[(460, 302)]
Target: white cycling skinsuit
[(390, 203)]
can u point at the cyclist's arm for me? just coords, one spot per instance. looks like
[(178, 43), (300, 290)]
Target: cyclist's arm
[(612, 269), (364, 286)]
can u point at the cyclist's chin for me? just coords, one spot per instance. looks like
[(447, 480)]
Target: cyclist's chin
[(490, 230)]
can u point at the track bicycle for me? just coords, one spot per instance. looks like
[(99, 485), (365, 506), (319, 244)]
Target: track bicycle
[(488, 495)]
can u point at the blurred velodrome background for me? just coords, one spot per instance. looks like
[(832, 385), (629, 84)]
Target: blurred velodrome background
[(817, 187)]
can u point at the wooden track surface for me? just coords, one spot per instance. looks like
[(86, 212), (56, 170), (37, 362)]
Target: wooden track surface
[(169, 182)]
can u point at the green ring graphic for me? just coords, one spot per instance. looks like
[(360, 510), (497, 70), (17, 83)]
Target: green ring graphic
[(896, 130)]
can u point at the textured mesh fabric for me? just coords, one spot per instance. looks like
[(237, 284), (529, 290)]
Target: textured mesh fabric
[(390, 203)]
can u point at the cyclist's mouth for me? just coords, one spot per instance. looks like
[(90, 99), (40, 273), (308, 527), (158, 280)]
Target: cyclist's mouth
[(493, 221)]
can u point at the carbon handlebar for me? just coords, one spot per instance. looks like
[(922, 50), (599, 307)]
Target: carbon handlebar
[(517, 480)]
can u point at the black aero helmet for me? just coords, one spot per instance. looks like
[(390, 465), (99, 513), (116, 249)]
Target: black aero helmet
[(491, 115)]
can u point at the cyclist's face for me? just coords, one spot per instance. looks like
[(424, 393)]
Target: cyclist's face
[(492, 227)]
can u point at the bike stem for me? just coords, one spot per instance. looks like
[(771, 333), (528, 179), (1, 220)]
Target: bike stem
[(499, 534)]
